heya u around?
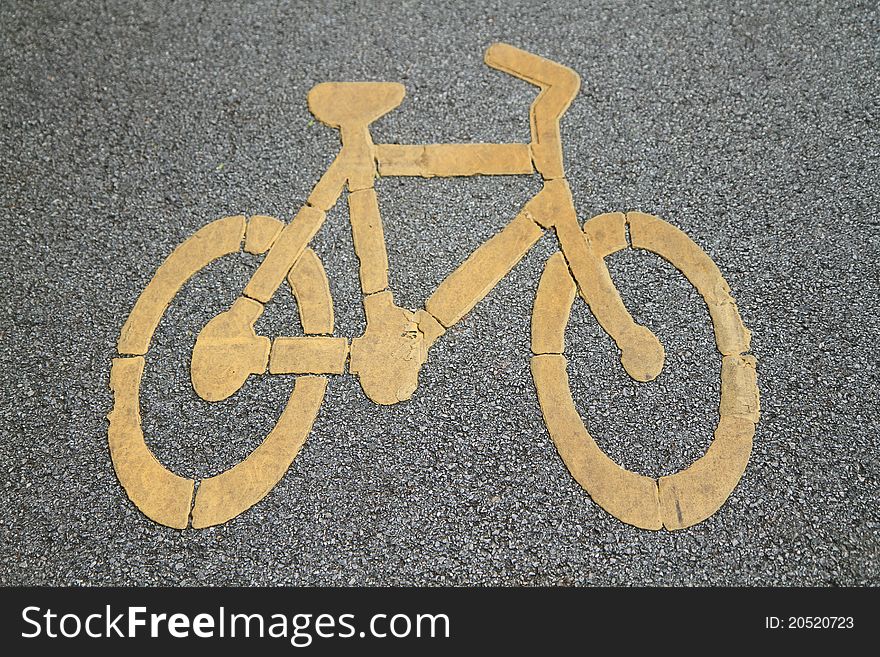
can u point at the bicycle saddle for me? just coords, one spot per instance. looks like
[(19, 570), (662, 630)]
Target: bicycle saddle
[(359, 103)]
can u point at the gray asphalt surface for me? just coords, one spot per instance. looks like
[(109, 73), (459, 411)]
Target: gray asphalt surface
[(127, 126)]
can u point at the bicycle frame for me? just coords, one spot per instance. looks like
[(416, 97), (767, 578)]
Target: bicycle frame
[(388, 356)]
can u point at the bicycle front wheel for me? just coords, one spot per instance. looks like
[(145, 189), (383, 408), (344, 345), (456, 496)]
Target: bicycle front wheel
[(690, 495), (159, 493)]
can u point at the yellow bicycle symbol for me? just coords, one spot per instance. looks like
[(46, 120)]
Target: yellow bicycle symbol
[(387, 358)]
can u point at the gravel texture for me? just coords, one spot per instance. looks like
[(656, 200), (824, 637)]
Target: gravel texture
[(752, 126)]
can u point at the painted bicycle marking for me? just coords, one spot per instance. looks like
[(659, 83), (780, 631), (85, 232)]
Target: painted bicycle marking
[(388, 356)]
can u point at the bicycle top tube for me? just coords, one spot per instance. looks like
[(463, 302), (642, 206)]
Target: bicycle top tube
[(464, 159)]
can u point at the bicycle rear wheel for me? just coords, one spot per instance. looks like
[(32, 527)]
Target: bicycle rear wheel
[(160, 494), (690, 495)]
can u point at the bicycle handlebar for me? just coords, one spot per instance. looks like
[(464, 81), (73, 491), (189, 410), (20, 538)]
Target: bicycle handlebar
[(532, 68), (559, 85)]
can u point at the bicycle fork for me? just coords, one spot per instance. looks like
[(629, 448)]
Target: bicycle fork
[(641, 353)]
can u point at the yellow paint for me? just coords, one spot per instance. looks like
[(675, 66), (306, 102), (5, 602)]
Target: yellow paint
[(228, 351), (387, 358), (464, 288), (158, 492), (217, 239), (308, 355), (369, 240), (692, 495), (430, 160), (262, 231), (230, 493), (308, 283)]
